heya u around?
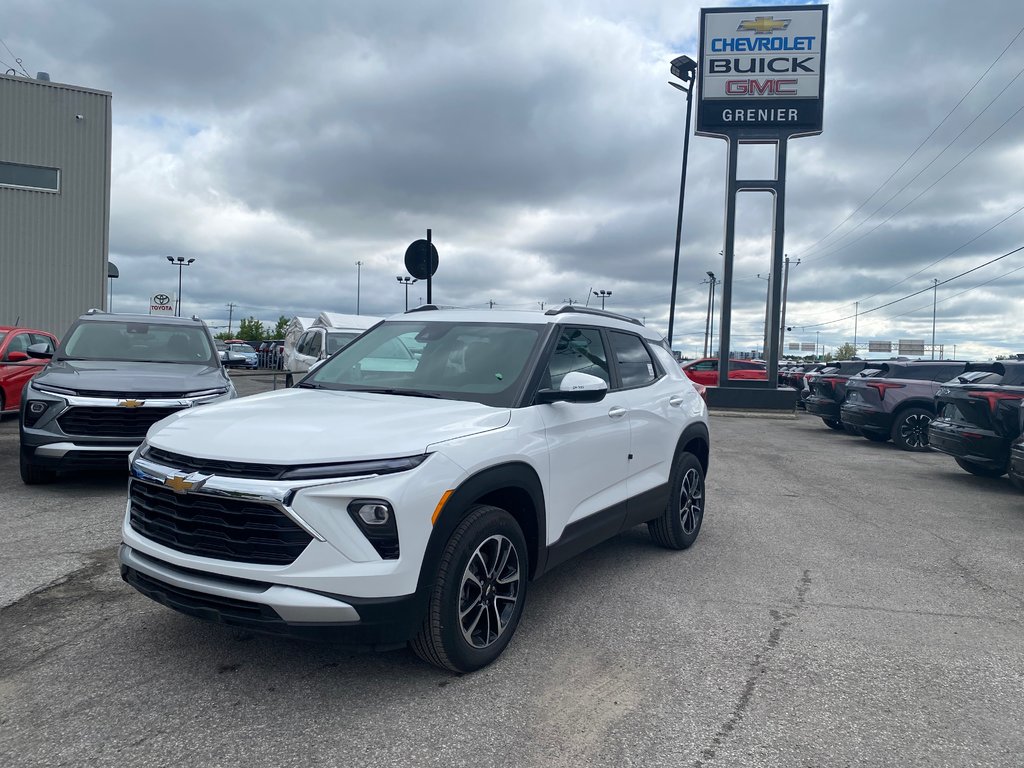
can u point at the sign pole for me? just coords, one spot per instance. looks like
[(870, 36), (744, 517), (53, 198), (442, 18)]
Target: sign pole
[(430, 278)]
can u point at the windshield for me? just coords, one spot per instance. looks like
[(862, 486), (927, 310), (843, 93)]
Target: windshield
[(336, 341), (243, 348), (138, 342), (481, 362)]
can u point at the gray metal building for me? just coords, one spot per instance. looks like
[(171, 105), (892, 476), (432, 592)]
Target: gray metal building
[(54, 202)]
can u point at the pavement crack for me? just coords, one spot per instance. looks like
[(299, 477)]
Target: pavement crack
[(781, 619)]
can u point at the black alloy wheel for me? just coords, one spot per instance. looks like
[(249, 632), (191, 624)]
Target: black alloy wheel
[(479, 594), (910, 430), (678, 526)]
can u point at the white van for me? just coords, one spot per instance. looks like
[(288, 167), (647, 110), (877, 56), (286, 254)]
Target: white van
[(329, 333)]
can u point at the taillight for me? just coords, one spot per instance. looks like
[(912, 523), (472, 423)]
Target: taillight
[(882, 386), (993, 398)]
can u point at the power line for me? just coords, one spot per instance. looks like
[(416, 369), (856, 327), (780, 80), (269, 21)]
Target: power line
[(915, 293), (958, 294), (16, 59), (942, 122)]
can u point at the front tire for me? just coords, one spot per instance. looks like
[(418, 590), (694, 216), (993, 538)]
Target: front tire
[(979, 470), (910, 430), (33, 474), (679, 525), (479, 594)]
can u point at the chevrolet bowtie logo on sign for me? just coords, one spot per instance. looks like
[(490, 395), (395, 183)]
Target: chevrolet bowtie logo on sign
[(184, 483), (763, 25), (130, 403)]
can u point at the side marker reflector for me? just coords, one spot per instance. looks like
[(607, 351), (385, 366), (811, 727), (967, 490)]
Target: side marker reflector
[(440, 505)]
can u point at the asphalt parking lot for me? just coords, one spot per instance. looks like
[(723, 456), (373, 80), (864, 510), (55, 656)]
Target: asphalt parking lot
[(846, 604)]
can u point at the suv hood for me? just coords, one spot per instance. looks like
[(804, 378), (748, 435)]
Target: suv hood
[(173, 379), (303, 426)]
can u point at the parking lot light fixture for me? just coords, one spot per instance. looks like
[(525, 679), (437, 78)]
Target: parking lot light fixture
[(604, 295), (406, 281), (180, 262), (685, 69)]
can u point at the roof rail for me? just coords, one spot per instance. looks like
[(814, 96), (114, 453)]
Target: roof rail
[(95, 311), (422, 308), (588, 311)]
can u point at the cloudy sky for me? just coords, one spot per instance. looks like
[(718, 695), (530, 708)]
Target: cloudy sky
[(279, 144)]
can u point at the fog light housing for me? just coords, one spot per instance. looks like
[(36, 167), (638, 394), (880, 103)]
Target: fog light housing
[(34, 410), (376, 520)]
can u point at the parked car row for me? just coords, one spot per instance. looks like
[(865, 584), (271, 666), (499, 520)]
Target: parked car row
[(969, 411)]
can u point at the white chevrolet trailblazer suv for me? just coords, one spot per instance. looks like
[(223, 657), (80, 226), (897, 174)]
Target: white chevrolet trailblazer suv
[(410, 488)]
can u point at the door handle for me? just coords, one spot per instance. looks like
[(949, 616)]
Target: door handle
[(676, 400), (617, 412)]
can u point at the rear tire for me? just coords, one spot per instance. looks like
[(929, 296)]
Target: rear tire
[(910, 430), (478, 597), (979, 470), (679, 525), (833, 424), (33, 474)]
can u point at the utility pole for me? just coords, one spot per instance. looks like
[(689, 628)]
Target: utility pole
[(935, 303), (856, 313), (767, 320), (541, 305), (816, 335), (708, 327), (231, 312), (490, 303), (785, 292), (570, 302)]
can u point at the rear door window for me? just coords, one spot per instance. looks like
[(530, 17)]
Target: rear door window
[(636, 366)]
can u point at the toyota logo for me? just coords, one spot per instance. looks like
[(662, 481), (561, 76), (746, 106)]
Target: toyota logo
[(162, 299)]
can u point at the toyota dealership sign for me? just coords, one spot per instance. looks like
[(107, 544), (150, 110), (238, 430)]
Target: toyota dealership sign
[(762, 71), (161, 302)]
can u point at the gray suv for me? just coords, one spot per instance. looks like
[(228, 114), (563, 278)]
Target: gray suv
[(109, 381), (897, 401)]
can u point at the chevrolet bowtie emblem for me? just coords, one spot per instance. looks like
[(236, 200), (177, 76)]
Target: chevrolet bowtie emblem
[(763, 25), (185, 483), (130, 403)]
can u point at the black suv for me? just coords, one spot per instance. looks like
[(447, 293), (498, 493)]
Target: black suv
[(1017, 455), (828, 388), (110, 380), (898, 402), (978, 416)]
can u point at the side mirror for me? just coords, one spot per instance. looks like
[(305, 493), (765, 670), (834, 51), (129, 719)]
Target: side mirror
[(41, 351), (576, 387), (16, 357)]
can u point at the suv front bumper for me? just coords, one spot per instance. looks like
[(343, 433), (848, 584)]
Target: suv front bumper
[(1017, 463)]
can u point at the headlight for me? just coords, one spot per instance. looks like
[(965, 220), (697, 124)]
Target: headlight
[(51, 389), (355, 468), (208, 392)]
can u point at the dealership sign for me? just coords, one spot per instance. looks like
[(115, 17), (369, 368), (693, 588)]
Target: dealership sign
[(762, 71), (161, 302)]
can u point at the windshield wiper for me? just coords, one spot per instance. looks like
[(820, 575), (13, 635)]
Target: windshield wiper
[(408, 392), (310, 385)]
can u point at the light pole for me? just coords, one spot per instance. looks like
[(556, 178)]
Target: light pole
[(180, 263), (685, 69), (604, 295), (406, 281), (935, 303), (767, 320), (816, 333), (359, 275), (112, 272)]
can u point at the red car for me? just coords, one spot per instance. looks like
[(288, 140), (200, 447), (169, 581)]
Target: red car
[(16, 367), (705, 370)]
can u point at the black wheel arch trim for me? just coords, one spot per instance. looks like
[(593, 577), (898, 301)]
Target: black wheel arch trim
[(482, 488), (698, 430)]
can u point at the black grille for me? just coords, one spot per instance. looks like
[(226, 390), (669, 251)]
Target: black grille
[(211, 526), (226, 610), (214, 467), (111, 422)]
